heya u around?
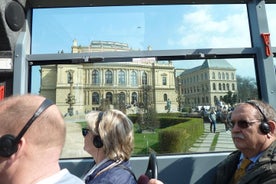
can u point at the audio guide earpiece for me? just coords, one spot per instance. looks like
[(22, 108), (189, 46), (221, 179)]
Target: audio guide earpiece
[(97, 141), (264, 126)]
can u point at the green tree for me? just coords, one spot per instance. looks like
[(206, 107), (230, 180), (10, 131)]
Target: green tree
[(230, 98), (247, 88), (147, 115)]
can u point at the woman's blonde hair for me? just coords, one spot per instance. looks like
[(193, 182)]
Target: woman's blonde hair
[(116, 132)]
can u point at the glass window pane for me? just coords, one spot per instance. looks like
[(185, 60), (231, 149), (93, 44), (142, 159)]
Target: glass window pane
[(80, 96), (141, 85), (139, 28)]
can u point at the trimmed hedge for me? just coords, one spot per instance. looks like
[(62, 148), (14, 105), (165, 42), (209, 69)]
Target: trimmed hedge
[(133, 118), (179, 138), (171, 121)]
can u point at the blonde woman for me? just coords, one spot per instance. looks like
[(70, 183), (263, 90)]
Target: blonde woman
[(108, 138)]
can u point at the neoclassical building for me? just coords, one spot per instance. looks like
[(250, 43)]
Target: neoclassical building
[(208, 83), (82, 87)]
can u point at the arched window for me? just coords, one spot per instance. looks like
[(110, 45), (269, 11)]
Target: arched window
[(227, 76), (227, 87), (144, 78), (109, 97), (108, 77), (223, 87), (95, 98), (133, 78), (232, 76), (95, 77), (219, 75), (220, 86), (214, 86), (233, 87), (134, 99), (165, 97), (213, 75), (122, 77)]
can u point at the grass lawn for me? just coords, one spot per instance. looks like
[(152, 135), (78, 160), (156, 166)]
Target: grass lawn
[(144, 142)]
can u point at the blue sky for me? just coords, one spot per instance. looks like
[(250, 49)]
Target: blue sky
[(161, 27)]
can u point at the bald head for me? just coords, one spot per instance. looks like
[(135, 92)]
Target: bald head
[(46, 131)]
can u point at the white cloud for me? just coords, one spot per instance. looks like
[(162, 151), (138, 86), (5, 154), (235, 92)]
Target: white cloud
[(203, 28), (214, 27)]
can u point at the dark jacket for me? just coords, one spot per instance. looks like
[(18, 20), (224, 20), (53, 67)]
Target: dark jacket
[(119, 174), (264, 170)]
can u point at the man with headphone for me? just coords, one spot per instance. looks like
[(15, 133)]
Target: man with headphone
[(253, 129), (32, 134)]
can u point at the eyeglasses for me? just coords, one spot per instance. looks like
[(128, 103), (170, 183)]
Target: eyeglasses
[(85, 131), (241, 124)]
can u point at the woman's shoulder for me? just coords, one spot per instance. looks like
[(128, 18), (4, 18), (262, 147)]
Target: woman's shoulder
[(120, 173)]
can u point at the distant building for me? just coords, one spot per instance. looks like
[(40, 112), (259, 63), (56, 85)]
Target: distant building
[(86, 85), (207, 84)]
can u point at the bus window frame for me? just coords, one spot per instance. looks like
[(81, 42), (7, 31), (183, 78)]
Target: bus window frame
[(265, 74)]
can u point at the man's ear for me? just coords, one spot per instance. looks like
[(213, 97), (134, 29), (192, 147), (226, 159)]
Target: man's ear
[(272, 126), (20, 146)]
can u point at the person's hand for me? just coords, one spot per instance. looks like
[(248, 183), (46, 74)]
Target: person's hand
[(155, 181)]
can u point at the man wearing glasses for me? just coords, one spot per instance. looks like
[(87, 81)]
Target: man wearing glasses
[(253, 130)]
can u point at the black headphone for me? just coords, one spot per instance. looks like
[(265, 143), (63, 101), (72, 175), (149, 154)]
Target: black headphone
[(264, 126), (9, 143), (97, 141)]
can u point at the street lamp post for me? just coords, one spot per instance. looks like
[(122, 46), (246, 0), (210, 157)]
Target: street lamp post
[(70, 97)]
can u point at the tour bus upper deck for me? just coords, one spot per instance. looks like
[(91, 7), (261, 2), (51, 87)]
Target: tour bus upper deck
[(34, 64)]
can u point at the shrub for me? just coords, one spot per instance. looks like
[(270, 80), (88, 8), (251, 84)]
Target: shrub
[(171, 140), (171, 121), (180, 137), (133, 118)]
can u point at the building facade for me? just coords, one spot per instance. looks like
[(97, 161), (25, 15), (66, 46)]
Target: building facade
[(80, 88), (207, 84)]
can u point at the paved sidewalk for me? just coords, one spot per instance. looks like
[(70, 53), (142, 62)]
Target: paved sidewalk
[(224, 142), (74, 142)]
